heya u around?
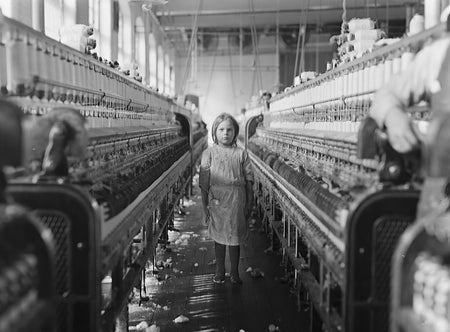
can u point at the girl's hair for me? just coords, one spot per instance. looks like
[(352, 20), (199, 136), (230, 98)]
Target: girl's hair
[(222, 117)]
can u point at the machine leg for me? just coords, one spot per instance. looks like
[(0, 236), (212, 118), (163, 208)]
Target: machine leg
[(315, 324), (117, 277), (122, 321)]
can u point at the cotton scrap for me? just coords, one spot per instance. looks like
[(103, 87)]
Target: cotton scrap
[(142, 326), (257, 273), (273, 328), (181, 319), (153, 328), (268, 250)]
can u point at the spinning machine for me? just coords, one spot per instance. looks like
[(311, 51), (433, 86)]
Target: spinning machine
[(106, 161), (332, 192)]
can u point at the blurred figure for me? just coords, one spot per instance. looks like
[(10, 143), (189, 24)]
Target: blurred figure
[(10, 141), (52, 138), (426, 79)]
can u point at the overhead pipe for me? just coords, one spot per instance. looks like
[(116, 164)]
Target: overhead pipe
[(271, 11)]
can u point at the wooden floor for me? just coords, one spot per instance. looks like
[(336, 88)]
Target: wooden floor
[(185, 286)]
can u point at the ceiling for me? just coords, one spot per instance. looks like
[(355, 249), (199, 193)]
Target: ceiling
[(180, 17)]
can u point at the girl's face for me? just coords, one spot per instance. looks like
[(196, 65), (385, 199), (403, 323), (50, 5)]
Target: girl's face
[(225, 133)]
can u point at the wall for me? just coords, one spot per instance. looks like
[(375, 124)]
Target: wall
[(17, 9), (68, 12), (226, 81), (153, 57), (313, 62), (223, 85)]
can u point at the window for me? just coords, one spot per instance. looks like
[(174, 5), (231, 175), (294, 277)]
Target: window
[(121, 38), (167, 73), (124, 41), (139, 46), (172, 79), (58, 13), (153, 61), (102, 26), (160, 68), (94, 6), (116, 13)]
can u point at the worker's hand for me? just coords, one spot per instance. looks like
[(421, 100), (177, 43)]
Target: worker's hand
[(402, 133)]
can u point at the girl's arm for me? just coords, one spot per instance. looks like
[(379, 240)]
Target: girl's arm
[(205, 204), (249, 198), (204, 177), (248, 174)]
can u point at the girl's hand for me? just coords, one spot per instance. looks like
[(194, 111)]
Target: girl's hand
[(206, 216)]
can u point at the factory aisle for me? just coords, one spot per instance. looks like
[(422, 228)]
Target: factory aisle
[(184, 285)]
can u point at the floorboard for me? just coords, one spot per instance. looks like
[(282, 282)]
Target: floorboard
[(186, 287)]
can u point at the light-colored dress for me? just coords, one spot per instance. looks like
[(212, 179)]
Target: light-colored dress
[(223, 173)]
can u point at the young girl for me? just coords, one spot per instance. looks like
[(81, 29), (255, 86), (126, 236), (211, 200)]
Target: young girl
[(226, 185)]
